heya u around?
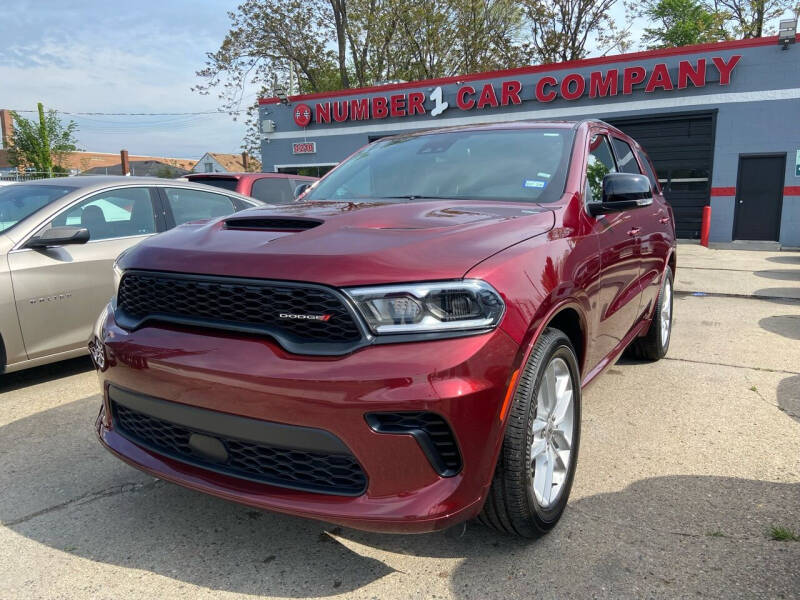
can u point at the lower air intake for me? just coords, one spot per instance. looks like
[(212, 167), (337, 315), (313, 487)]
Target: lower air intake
[(431, 431)]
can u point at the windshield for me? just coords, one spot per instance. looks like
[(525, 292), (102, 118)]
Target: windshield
[(512, 164), (19, 201)]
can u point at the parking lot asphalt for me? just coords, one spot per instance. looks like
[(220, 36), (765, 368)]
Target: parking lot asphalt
[(685, 466)]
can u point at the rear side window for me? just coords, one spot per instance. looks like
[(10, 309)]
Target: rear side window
[(599, 164), (648, 169), (194, 205), (226, 183), (273, 190), (625, 159)]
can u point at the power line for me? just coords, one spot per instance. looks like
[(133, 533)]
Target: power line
[(140, 114)]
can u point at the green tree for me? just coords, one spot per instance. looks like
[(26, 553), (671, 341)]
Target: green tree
[(749, 18), (43, 144), (682, 23), (564, 30)]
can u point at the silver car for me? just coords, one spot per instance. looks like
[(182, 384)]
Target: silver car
[(58, 241)]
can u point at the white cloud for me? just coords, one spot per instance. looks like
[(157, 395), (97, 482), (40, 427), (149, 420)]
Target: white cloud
[(141, 60)]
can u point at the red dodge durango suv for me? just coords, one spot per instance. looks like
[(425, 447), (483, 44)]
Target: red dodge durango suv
[(404, 347)]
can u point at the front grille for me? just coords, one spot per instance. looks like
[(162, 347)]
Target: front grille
[(284, 467), (242, 305), (431, 431)]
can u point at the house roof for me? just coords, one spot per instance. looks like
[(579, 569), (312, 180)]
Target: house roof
[(233, 162), (83, 161), (141, 168)]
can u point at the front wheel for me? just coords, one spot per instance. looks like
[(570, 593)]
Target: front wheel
[(654, 345), (536, 466)]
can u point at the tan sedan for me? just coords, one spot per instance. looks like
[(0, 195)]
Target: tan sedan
[(58, 241)]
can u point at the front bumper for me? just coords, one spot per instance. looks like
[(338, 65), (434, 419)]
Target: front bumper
[(463, 380)]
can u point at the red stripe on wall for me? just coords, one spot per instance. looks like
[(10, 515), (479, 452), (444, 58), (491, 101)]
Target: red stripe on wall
[(789, 190), (600, 60)]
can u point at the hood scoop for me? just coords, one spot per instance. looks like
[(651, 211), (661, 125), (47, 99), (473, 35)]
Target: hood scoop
[(293, 224)]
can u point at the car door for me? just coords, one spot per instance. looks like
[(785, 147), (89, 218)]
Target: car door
[(60, 290), (655, 237), (618, 293), (189, 204)]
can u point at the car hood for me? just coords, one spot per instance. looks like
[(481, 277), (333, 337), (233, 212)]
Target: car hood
[(345, 243)]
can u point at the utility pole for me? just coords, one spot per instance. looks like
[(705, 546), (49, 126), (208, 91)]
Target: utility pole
[(46, 157)]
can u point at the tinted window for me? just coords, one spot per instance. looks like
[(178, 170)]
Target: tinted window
[(112, 214), (273, 191), (648, 169), (625, 159), (511, 164), (196, 205), (226, 183), (19, 201), (599, 164)]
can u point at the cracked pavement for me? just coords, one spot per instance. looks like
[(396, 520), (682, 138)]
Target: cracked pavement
[(685, 465)]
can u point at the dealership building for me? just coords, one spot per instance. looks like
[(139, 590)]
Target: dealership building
[(720, 121)]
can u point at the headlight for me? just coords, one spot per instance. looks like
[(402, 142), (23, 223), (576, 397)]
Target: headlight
[(429, 307)]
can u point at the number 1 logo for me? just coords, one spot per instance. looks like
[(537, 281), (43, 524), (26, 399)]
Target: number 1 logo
[(439, 106)]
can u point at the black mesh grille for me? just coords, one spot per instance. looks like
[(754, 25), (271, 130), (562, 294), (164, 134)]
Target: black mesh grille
[(431, 431), (299, 469), (248, 304)]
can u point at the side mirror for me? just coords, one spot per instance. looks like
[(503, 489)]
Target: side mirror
[(59, 236), (622, 191), (300, 189)]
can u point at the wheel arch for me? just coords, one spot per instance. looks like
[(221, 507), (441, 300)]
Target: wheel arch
[(672, 261)]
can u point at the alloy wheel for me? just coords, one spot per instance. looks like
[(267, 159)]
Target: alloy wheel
[(666, 312), (552, 433)]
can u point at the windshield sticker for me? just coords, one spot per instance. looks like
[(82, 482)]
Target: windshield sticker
[(552, 135), (534, 183), (543, 175)]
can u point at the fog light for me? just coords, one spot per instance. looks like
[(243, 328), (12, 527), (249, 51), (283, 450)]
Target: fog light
[(98, 353)]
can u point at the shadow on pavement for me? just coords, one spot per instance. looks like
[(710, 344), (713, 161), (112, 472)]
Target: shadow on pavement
[(661, 536), (789, 398), (789, 259), (780, 294), (781, 275), (786, 325), (65, 368)]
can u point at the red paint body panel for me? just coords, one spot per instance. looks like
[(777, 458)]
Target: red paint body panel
[(244, 181), (542, 259)]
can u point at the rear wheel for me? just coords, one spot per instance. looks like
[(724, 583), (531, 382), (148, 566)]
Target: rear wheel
[(536, 466), (655, 343)]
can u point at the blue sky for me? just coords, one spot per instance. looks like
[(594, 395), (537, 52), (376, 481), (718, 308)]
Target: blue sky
[(110, 56), (105, 56)]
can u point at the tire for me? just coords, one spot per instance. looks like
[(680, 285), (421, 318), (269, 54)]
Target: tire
[(513, 504), (655, 344)]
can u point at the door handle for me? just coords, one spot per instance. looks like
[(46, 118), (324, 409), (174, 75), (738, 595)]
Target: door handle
[(664, 220), (635, 231)]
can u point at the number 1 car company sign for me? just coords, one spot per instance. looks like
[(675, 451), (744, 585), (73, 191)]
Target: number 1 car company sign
[(472, 96)]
